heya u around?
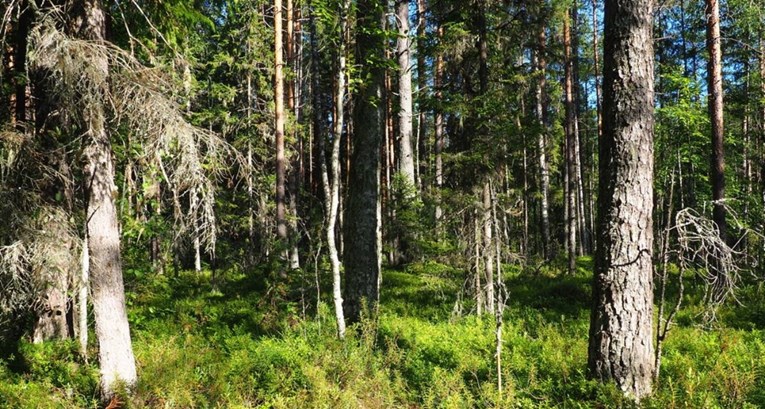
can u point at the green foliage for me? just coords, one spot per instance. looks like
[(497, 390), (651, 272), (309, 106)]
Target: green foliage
[(199, 348)]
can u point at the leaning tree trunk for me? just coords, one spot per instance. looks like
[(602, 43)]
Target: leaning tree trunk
[(362, 223), (621, 341)]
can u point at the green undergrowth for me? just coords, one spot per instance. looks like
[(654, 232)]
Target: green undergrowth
[(236, 345)]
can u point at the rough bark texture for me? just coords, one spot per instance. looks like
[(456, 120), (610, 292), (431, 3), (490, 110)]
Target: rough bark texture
[(403, 50), (362, 223), (117, 363), (714, 79), (621, 341), (281, 170)]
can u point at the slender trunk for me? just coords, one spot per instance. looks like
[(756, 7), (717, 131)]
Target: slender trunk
[(332, 187), (714, 78), (525, 196), (571, 150), (500, 294), (599, 110), (289, 50), (488, 245), (479, 299), (82, 300), (621, 325), (194, 204), (422, 85), (439, 128), (363, 251), (579, 140), (293, 185), (406, 154), (20, 66), (595, 67), (281, 205), (544, 171)]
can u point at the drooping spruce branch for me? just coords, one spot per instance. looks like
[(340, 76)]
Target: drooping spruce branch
[(139, 99)]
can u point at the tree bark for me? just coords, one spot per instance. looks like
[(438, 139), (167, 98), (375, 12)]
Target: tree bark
[(423, 158), (117, 363), (403, 51), (332, 187), (488, 246), (572, 154), (714, 81), (438, 121), (281, 171), (362, 223), (82, 300), (620, 338), (544, 171)]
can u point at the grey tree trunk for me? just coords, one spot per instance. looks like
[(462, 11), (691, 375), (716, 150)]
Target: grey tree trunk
[(403, 51), (362, 224), (620, 338), (117, 363)]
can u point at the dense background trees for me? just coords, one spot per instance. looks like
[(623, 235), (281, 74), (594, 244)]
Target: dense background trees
[(418, 163)]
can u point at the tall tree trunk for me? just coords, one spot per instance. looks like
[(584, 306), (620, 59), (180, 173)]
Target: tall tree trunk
[(438, 122), (281, 169), (620, 338), (572, 154), (289, 50), (714, 80), (596, 68), (406, 150), (580, 142), (293, 185), (422, 85), (544, 171), (116, 359), (362, 225), (332, 187), (599, 111)]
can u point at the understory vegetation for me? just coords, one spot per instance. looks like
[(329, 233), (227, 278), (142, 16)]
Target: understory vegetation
[(236, 344)]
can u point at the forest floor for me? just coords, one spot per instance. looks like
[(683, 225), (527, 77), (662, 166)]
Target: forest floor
[(236, 345)]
